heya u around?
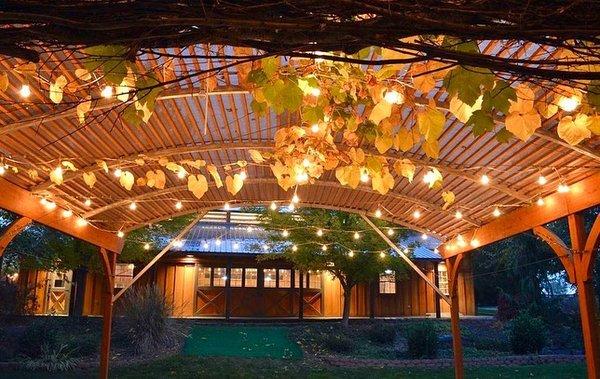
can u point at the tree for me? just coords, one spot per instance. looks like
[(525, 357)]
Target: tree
[(297, 237)]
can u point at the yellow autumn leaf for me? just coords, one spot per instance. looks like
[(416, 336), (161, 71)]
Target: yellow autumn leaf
[(574, 130), (82, 109), (126, 180), (405, 139), (406, 168), (26, 68), (431, 123), (83, 74), (56, 89), (127, 85), (357, 155), (140, 161), (449, 198), (286, 182), (462, 111), (242, 163), (69, 165), (174, 167), (102, 165), (594, 124), (524, 102), (383, 143), (382, 110), (3, 81), (212, 170), (431, 149), (163, 161), (33, 174), (160, 179), (234, 184), (523, 125), (197, 185), (56, 176), (256, 156), (422, 79), (89, 178), (141, 181), (382, 183)]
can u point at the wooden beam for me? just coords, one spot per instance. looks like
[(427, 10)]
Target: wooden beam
[(406, 259), (183, 232), (582, 195), (453, 267), (109, 261), (24, 203), (12, 231)]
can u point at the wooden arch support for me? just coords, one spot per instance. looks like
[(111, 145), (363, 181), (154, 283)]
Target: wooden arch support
[(12, 231), (453, 266), (559, 248)]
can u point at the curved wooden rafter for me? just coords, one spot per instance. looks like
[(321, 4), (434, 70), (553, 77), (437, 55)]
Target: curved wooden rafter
[(72, 175), (559, 248), (331, 184), (12, 231)]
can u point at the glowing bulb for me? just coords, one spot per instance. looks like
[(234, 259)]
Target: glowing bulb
[(178, 243), (51, 205), (364, 177), (273, 206), (542, 180), (133, 206), (378, 213), (25, 91), (458, 215), (424, 236), (417, 214), (563, 188), (181, 174), (320, 232), (393, 97), (107, 92), (305, 162), (301, 177), (236, 245), (295, 199), (218, 242), (118, 173), (461, 241), (178, 205), (540, 202), (315, 128), (485, 180), (496, 212), (390, 232), (87, 202), (315, 92), (351, 253), (382, 255), (569, 104), (205, 245), (120, 234), (243, 175), (474, 243), (58, 171), (67, 213), (291, 207), (226, 206), (324, 247), (356, 235), (436, 250), (146, 246), (2, 170), (249, 229), (82, 222), (265, 247), (294, 248), (285, 233)]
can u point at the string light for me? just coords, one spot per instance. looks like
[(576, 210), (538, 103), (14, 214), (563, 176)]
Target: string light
[(146, 246), (67, 213), (81, 222), (315, 128), (474, 243), (87, 202), (226, 207), (364, 176), (285, 233), (540, 201), (178, 205), (301, 177), (133, 206), (243, 175), (50, 204), (356, 235), (461, 241), (118, 172), (315, 92), (181, 174), (295, 199), (291, 207), (2, 170), (236, 245), (390, 232), (393, 97), (324, 247), (320, 232), (417, 213), (294, 248), (58, 171), (424, 236), (265, 247), (120, 234), (218, 242), (569, 104), (249, 229), (25, 91), (485, 180), (542, 180), (351, 253), (378, 213), (496, 212), (563, 188), (382, 254), (205, 245), (458, 215), (273, 206), (178, 243), (107, 92)]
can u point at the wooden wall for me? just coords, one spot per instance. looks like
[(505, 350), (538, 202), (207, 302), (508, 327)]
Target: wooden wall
[(35, 281)]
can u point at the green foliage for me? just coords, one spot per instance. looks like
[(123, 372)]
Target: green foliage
[(16, 300), (481, 122), (422, 340), (110, 59), (466, 82), (52, 358), (144, 324), (527, 334), (382, 333)]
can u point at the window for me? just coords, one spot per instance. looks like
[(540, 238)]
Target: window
[(285, 278), (123, 274), (236, 277), (219, 276), (60, 279), (314, 280), (204, 277), (250, 277), (443, 278), (297, 278), (387, 282), (269, 281)]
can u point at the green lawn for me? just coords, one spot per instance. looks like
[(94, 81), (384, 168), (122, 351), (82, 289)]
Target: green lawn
[(203, 367), (487, 311)]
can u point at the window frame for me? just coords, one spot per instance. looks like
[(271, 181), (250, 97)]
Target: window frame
[(387, 281)]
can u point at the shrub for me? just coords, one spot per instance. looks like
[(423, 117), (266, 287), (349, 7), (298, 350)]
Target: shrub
[(339, 343), (507, 308), (382, 333), (52, 358), (41, 331), (422, 340), (16, 300), (145, 324), (527, 334)]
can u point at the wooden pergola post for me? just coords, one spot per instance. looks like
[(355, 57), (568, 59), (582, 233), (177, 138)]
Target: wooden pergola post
[(453, 267), (109, 261)]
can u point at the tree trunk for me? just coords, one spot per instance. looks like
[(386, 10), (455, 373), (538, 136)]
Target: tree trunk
[(347, 301)]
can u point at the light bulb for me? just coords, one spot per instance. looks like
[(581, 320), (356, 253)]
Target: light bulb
[(107, 92), (294, 248), (205, 245), (458, 215), (2, 170), (474, 243), (178, 205), (82, 222), (315, 128), (285, 233), (265, 247), (351, 253), (181, 174), (236, 245), (461, 241), (563, 188), (249, 229), (485, 180), (382, 255), (378, 213), (305, 162), (295, 199), (51, 205), (67, 213), (364, 177), (120, 234), (320, 232), (58, 171), (315, 92), (417, 214), (424, 236), (25, 91), (496, 212), (393, 97), (291, 207), (540, 202), (273, 206), (146, 246), (218, 242), (542, 180), (133, 206), (118, 173), (356, 235), (324, 247), (243, 175), (226, 206), (301, 177), (390, 232), (569, 104), (87, 202)]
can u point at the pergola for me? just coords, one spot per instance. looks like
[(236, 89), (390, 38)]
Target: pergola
[(218, 126)]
